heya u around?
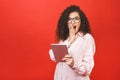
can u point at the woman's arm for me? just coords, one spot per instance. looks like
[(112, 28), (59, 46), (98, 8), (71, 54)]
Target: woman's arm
[(51, 55), (85, 67)]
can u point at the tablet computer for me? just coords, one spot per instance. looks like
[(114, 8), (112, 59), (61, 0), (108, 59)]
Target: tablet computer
[(59, 51)]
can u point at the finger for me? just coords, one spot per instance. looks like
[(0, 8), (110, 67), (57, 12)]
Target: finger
[(65, 59), (69, 62), (71, 28), (68, 56)]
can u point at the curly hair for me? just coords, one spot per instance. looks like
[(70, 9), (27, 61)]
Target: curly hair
[(62, 31)]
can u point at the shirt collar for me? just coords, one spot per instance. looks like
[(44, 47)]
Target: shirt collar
[(79, 34)]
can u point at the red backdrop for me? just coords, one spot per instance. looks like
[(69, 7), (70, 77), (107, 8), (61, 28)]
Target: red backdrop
[(27, 27)]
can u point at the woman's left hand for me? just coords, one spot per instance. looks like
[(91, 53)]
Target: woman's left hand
[(69, 60)]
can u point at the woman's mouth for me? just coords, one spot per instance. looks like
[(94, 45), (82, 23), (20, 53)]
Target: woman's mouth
[(74, 27)]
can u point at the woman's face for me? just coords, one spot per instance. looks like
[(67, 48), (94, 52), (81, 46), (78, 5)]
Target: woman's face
[(74, 22)]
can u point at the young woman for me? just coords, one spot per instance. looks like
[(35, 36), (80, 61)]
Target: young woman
[(74, 31)]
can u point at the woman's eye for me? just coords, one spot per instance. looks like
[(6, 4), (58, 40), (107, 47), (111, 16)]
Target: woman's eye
[(77, 18)]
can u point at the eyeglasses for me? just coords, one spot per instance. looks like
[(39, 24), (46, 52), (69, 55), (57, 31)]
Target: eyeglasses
[(76, 20)]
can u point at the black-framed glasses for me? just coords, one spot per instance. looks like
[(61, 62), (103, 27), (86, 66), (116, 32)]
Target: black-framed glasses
[(76, 20)]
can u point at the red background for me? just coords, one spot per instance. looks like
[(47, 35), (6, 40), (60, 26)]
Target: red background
[(27, 27)]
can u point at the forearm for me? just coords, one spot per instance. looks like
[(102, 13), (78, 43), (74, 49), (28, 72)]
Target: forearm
[(84, 68), (51, 55)]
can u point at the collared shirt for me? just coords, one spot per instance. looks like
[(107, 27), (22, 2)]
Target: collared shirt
[(82, 49)]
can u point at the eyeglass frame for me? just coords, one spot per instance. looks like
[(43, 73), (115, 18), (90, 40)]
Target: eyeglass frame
[(75, 19)]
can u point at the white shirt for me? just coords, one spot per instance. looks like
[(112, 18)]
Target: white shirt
[(82, 50)]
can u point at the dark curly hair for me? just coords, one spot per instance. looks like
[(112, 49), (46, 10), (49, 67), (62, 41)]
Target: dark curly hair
[(62, 31)]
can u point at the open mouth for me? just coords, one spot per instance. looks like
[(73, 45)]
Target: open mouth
[(74, 27)]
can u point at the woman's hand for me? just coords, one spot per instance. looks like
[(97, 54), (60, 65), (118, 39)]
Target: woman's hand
[(69, 60), (71, 32)]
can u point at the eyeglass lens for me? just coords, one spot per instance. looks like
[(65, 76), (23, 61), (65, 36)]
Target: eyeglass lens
[(76, 19)]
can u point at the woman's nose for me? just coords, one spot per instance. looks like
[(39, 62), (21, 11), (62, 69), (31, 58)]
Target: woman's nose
[(73, 21)]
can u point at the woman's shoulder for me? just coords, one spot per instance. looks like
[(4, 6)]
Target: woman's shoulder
[(88, 36)]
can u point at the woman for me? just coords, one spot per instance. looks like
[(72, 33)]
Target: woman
[(73, 30)]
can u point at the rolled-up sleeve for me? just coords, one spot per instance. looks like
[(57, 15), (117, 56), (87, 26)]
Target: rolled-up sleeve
[(51, 55), (86, 65)]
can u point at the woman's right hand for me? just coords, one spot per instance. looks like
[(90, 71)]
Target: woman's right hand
[(69, 60)]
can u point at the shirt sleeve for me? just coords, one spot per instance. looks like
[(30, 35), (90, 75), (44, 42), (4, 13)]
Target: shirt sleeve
[(51, 55), (86, 65)]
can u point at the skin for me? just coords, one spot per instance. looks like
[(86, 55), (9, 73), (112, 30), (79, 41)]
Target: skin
[(73, 30)]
